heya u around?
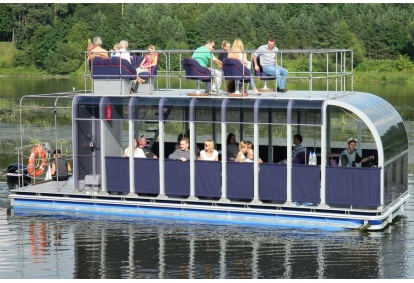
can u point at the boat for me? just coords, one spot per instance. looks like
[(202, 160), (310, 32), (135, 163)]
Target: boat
[(312, 195)]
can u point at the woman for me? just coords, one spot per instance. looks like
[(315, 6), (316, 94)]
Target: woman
[(209, 153), (241, 156), (237, 52), (138, 152), (232, 147), (150, 60)]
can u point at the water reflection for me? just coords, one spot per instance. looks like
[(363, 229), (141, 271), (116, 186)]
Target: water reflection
[(85, 248)]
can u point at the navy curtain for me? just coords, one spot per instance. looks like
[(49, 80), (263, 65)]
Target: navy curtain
[(306, 183), (353, 186), (272, 182), (240, 180), (177, 177), (117, 174), (147, 175), (208, 178)]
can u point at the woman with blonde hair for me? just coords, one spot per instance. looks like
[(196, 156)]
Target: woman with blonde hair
[(150, 60), (209, 153), (241, 156), (237, 52)]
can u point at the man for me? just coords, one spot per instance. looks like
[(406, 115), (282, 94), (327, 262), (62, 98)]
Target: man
[(60, 167), (268, 62), (298, 151), (142, 143), (97, 50), (203, 56), (349, 157), (183, 153)]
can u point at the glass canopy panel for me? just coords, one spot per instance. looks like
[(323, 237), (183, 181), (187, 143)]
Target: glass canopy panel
[(146, 108), (306, 112), (240, 111), (273, 112), (87, 107), (119, 107), (176, 109), (386, 120), (208, 110)]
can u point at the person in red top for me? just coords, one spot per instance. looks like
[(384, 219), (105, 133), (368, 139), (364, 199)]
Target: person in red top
[(150, 60)]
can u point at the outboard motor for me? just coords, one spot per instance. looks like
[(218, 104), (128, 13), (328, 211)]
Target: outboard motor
[(14, 175)]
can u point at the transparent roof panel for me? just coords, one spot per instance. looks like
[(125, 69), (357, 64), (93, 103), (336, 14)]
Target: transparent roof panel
[(386, 120), (240, 111), (306, 112), (208, 110), (273, 111)]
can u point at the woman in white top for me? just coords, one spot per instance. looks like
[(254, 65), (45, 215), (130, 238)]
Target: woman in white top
[(209, 153), (237, 52), (138, 152), (123, 51)]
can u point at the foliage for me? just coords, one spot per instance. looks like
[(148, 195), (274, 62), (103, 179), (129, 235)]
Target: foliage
[(42, 31)]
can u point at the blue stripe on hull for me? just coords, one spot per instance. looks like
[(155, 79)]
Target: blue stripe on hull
[(210, 216)]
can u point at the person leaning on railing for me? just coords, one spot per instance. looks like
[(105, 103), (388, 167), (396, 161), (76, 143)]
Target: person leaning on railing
[(350, 157)]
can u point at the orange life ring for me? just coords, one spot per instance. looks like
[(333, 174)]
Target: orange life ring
[(38, 151)]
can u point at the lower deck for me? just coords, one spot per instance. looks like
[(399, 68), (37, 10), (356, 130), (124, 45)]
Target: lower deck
[(63, 198)]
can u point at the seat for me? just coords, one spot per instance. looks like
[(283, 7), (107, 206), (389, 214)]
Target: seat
[(148, 85), (263, 76), (113, 68), (233, 69), (194, 71)]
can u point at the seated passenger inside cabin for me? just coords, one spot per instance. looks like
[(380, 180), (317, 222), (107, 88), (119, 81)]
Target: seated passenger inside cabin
[(350, 157), (250, 146), (138, 152), (187, 134), (97, 50), (241, 156), (250, 155), (60, 167), (298, 151), (232, 147), (142, 144), (183, 153), (209, 153)]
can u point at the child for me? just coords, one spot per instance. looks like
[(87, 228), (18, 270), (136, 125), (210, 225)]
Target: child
[(250, 155)]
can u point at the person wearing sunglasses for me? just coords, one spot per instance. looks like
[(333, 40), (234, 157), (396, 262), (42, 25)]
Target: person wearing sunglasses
[(209, 153), (203, 55)]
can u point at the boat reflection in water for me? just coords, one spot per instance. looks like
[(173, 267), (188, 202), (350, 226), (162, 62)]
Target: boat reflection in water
[(110, 247), (297, 193)]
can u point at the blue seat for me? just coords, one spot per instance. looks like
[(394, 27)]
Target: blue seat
[(233, 69), (194, 71), (112, 68), (263, 76)]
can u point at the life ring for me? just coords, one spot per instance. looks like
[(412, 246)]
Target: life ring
[(38, 151)]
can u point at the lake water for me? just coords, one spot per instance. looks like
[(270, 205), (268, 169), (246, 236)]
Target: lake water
[(83, 246)]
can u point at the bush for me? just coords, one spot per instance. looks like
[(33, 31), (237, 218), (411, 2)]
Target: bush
[(21, 59)]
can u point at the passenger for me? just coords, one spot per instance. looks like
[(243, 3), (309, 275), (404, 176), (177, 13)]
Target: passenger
[(115, 49), (350, 157), (232, 147), (250, 146), (268, 62), (97, 50), (209, 153), (150, 60), (123, 51), (250, 155), (203, 55), (298, 151), (237, 52), (241, 156), (183, 153), (60, 167), (187, 134), (138, 152), (142, 144), (226, 48)]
